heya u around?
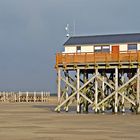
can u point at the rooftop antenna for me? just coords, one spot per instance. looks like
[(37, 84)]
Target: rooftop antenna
[(67, 30), (73, 27)]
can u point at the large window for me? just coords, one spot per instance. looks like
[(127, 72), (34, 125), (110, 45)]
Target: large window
[(102, 49), (78, 49), (132, 47)]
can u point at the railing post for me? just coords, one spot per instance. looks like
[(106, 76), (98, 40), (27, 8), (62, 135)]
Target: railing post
[(86, 58)]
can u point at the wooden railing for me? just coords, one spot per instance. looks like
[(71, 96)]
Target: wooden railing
[(74, 58)]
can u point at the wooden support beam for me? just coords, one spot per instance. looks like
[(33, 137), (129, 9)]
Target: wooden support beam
[(113, 93), (128, 99), (60, 105), (123, 80), (76, 90), (85, 91), (67, 88), (138, 91), (103, 94), (101, 79), (96, 91), (116, 90), (78, 95), (59, 86)]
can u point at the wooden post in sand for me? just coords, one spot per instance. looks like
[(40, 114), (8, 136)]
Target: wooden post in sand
[(27, 96), (34, 96), (19, 95), (42, 96)]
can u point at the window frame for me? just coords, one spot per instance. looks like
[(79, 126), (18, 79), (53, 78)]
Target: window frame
[(101, 48), (132, 49), (78, 50)]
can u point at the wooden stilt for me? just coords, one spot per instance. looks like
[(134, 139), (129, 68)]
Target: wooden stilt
[(85, 79), (59, 87), (138, 91), (96, 91), (78, 95), (103, 95), (122, 79), (116, 90), (67, 88)]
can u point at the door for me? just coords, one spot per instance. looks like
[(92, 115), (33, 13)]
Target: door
[(115, 53)]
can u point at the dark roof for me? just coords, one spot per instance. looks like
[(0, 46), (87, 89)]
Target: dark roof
[(103, 39)]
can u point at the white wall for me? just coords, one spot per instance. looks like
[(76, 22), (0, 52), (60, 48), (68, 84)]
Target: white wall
[(87, 49), (123, 47), (70, 49), (138, 46), (90, 48)]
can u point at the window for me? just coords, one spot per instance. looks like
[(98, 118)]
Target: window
[(105, 49), (78, 48), (102, 49), (132, 47), (98, 49)]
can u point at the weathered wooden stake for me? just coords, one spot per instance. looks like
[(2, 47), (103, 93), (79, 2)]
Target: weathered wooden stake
[(19, 99), (26, 96), (34, 96)]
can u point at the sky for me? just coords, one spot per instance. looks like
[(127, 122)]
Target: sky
[(33, 31)]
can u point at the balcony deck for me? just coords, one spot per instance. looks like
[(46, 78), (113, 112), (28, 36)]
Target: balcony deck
[(127, 57)]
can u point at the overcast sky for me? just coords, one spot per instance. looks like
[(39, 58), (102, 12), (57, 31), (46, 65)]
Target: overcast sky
[(32, 31)]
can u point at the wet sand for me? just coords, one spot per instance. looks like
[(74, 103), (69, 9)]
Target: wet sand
[(38, 121)]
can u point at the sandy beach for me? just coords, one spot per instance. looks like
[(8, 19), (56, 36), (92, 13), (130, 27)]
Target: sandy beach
[(38, 121)]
